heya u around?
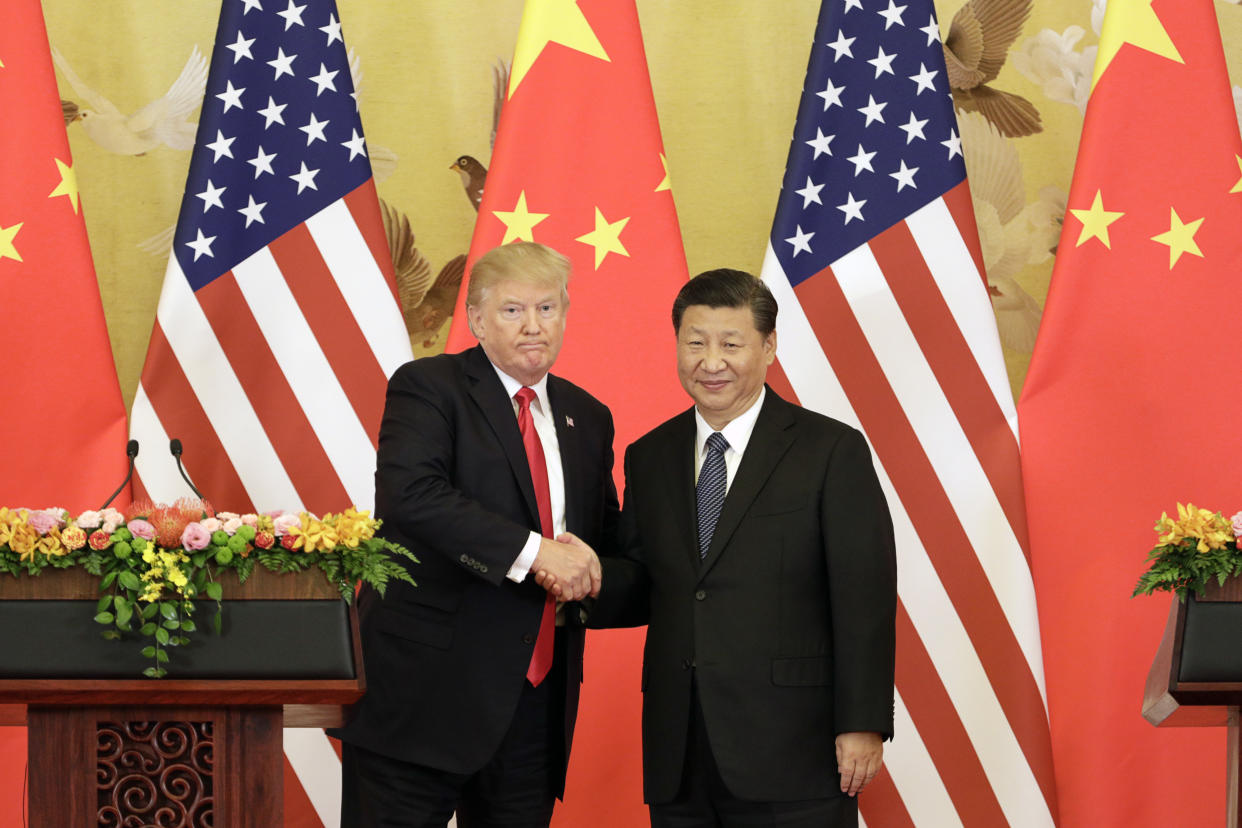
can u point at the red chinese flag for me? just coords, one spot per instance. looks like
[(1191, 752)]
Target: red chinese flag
[(578, 165), (62, 423), (1128, 407)]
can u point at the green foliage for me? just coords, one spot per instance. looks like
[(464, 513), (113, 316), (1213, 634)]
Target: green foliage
[(1181, 568)]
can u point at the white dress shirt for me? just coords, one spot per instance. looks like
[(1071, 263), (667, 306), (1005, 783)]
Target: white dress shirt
[(545, 427), (736, 433)]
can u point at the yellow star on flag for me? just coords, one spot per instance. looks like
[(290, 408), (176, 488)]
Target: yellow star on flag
[(606, 237), (519, 222), (7, 250), (664, 184), (1237, 188), (1134, 22), (1180, 237), (1095, 222), (551, 21), (68, 185)]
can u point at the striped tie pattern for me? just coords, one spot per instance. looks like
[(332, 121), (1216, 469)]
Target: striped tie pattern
[(710, 490)]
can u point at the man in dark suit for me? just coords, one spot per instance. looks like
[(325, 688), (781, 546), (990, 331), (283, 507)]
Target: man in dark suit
[(759, 548), (484, 457)]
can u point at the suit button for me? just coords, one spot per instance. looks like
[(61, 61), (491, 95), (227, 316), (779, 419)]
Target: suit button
[(701, 595), (528, 639), (464, 559)]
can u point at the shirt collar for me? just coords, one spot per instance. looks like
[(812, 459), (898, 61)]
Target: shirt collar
[(540, 388), (738, 430)]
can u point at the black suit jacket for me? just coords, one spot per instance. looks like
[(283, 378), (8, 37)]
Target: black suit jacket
[(446, 660), (787, 626)]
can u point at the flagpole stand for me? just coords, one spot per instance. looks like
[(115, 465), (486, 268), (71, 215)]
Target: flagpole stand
[(1195, 679), (204, 747)]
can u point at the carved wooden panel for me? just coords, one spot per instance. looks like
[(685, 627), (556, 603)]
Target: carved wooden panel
[(157, 774)]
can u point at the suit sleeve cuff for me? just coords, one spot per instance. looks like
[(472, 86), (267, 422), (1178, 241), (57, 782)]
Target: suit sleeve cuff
[(521, 567)]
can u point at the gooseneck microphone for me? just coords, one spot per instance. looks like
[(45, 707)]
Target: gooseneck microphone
[(131, 451), (174, 446)]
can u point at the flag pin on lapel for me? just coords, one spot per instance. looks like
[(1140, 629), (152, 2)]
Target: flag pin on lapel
[(569, 421)]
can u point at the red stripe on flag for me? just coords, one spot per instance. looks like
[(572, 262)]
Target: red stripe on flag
[(182, 416), (335, 328), (881, 805), (932, 515), (780, 382), (963, 211), (290, 432), (363, 204), (956, 369), (941, 730)]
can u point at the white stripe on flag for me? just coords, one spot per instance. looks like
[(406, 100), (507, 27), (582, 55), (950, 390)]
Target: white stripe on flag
[(915, 774), (221, 395), (154, 466), (953, 268), (362, 283), (318, 769), (310, 376), (943, 441)]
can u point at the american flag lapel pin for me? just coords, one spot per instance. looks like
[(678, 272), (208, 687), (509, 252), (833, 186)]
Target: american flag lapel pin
[(569, 421)]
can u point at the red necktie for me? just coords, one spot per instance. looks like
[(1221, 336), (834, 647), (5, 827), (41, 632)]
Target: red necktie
[(541, 659)]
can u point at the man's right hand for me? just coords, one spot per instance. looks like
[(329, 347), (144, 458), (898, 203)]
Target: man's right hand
[(569, 570)]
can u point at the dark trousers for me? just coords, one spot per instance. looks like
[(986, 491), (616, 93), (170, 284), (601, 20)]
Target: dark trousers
[(515, 789), (704, 800)]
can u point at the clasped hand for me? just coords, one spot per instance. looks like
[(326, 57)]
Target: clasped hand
[(567, 568)]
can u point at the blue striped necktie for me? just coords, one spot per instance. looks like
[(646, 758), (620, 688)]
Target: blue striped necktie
[(710, 490)]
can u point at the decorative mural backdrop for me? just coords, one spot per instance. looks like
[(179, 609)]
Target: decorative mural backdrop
[(725, 74)]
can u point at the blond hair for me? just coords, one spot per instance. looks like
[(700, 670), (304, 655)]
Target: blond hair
[(526, 262)]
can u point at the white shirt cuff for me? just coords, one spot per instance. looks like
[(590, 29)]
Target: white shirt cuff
[(521, 567)]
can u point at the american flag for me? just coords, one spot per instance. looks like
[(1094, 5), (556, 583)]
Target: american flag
[(278, 324), (886, 324)]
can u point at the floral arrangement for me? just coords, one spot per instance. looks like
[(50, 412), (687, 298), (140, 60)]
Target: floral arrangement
[(1193, 549), (154, 560)]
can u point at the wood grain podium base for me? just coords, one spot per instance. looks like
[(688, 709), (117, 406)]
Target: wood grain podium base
[(167, 752), (1176, 696)]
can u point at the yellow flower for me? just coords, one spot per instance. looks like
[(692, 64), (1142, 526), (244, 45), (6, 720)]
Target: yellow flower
[(352, 527), (23, 540), (313, 535), (50, 545), (1209, 530), (9, 520)]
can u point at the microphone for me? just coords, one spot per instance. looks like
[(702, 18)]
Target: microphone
[(174, 446), (131, 451)]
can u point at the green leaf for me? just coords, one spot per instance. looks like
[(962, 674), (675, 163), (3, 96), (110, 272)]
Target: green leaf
[(171, 624), (129, 580), (168, 609), (124, 613), (161, 635), (188, 626), (161, 656), (148, 629), (148, 651), (103, 603), (214, 591), (108, 580), (217, 622), (105, 618), (148, 612), (152, 672), (111, 635)]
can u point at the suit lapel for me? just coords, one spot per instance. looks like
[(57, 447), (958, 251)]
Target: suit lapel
[(771, 438), (489, 394), (571, 453), (679, 484)]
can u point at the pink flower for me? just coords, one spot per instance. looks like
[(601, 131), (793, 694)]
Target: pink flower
[(90, 519), (284, 522), (141, 529), (232, 525), (42, 521), (1237, 524), (212, 524), (111, 520), (195, 537), (251, 520), (227, 516)]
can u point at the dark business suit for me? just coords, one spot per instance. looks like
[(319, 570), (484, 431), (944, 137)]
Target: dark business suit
[(785, 629), (446, 660)]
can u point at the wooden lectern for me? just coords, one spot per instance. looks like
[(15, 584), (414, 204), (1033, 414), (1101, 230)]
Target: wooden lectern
[(109, 748), (1196, 677)]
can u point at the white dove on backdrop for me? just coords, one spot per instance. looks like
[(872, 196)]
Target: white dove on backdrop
[(161, 122)]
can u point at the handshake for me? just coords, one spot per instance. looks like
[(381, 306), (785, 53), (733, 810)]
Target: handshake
[(567, 568)]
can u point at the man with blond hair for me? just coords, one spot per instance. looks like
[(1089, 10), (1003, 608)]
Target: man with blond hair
[(484, 459)]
